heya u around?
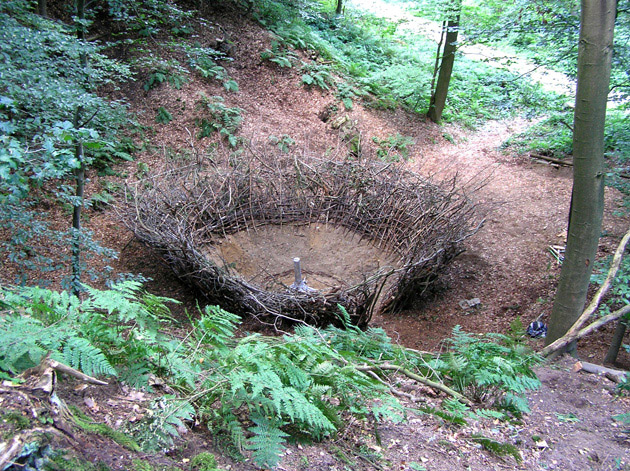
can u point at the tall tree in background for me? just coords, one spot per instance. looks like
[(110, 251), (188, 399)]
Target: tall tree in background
[(450, 27), (339, 7), (587, 206)]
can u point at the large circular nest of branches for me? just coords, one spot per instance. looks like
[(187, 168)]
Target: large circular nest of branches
[(187, 214)]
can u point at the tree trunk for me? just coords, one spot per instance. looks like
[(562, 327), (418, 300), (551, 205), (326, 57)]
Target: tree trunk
[(79, 173), (617, 340), (339, 7), (438, 96), (587, 208), (42, 8)]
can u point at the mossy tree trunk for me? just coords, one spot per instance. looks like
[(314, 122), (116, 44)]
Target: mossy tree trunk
[(594, 62)]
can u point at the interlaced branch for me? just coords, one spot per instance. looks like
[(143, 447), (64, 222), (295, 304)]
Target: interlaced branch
[(183, 213)]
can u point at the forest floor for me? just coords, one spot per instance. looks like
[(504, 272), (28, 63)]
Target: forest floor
[(506, 265)]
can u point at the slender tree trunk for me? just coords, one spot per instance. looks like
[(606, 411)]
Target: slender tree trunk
[(587, 208), (42, 9), (617, 340), (438, 96), (79, 173), (339, 7)]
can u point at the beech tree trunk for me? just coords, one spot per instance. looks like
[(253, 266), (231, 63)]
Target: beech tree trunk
[(587, 208), (438, 96)]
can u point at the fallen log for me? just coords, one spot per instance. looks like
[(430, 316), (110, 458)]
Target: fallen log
[(614, 375)]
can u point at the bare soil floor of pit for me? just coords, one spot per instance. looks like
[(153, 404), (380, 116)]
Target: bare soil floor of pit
[(330, 257)]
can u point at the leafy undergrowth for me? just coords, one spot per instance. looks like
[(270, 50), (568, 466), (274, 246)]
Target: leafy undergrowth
[(256, 393)]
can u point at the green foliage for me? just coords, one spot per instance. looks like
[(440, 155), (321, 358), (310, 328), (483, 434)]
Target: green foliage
[(393, 64), (268, 440), (156, 430), (163, 116), (256, 390), (283, 142), (148, 17), (317, 75), (204, 461), (619, 291), (204, 61), (162, 75), (110, 327), (217, 117), (123, 148), (299, 383), (488, 371), (546, 33), (279, 55), (48, 103), (393, 148), (18, 420)]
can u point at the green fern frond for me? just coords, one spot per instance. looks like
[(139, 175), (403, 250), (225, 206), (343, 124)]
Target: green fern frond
[(135, 374), (267, 442), (216, 326), (79, 353), (489, 414), (293, 404), (237, 434), (294, 376)]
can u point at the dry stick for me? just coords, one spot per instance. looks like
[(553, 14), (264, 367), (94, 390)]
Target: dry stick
[(418, 378), (574, 333), (565, 163)]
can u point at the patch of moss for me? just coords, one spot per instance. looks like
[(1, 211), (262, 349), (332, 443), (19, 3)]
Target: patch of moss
[(86, 424), (17, 419), (498, 448), (139, 465)]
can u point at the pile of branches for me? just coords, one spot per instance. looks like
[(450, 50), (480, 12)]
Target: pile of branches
[(182, 212)]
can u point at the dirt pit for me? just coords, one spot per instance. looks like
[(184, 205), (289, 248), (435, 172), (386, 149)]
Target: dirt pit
[(331, 258)]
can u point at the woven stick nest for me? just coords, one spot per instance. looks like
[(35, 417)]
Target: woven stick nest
[(182, 213)]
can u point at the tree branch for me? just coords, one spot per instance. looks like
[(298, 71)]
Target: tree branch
[(418, 378)]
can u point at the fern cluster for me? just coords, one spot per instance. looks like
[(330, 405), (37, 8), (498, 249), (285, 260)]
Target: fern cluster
[(488, 371), (259, 391), (217, 117), (100, 335)]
